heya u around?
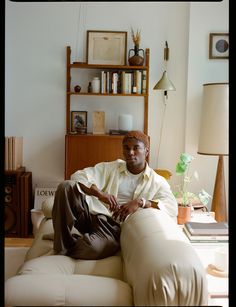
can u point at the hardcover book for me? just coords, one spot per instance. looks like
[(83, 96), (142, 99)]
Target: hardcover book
[(17, 152), (118, 132), (42, 192), (207, 229), (205, 238)]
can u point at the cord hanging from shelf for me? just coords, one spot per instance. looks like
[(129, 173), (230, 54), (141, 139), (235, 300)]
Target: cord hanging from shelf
[(166, 85)]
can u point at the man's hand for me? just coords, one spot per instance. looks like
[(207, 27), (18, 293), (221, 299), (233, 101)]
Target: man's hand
[(123, 211), (109, 199)]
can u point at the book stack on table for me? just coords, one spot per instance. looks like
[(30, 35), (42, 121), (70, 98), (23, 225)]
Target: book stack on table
[(206, 232)]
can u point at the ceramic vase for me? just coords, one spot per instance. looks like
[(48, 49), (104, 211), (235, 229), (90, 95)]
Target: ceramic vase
[(136, 59), (184, 214)]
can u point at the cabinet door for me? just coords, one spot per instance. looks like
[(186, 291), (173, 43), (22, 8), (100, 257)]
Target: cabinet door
[(87, 150)]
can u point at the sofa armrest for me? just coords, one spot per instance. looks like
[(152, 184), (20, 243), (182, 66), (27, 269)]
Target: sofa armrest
[(160, 264), (47, 207)]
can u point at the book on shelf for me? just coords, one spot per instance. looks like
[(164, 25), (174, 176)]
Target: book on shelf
[(118, 132), (43, 191), (206, 232), (10, 152), (13, 152), (17, 152), (6, 157), (144, 82)]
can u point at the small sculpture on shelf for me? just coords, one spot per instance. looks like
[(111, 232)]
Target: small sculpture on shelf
[(90, 87), (136, 59), (77, 88)]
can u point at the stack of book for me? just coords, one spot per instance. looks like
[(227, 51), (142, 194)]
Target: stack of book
[(206, 232), (13, 152)]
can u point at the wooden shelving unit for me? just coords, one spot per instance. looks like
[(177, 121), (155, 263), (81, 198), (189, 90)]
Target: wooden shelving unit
[(88, 149)]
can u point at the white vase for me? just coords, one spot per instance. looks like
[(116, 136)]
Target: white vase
[(96, 85)]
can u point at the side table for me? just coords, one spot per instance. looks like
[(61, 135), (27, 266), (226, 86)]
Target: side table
[(217, 286)]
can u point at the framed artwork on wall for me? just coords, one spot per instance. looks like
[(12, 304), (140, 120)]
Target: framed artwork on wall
[(106, 47), (79, 122), (218, 46)]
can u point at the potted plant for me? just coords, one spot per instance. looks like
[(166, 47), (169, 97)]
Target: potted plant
[(184, 197)]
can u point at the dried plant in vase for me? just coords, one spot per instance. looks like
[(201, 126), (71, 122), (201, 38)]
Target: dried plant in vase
[(136, 37), (136, 59)]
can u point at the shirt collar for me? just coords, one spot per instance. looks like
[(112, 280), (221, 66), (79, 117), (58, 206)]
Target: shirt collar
[(146, 173)]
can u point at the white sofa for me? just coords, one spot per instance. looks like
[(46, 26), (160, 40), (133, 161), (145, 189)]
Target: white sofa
[(156, 266)]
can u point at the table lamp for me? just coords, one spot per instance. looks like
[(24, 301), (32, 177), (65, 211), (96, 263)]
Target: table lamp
[(213, 138)]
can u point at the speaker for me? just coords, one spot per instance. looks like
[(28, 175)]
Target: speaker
[(17, 202)]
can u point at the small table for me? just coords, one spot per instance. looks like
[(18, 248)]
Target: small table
[(217, 286)]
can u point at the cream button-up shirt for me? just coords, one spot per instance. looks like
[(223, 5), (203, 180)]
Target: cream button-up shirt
[(107, 175)]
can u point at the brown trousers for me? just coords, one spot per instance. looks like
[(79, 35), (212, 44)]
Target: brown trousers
[(100, 234)]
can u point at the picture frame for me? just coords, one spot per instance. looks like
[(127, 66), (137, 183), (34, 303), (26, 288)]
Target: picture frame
[(218, 46), (98, 122), (79, 122), (106, 47)]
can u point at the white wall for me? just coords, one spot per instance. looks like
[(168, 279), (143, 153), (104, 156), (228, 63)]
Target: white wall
[(36, 37), (202, 71)]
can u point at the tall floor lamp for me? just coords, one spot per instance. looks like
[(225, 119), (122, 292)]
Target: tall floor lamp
[(213, 138)]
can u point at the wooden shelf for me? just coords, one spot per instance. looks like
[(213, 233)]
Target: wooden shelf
[(83, 150), (18, 242), (84, 65), (105, 94), (97, 66)]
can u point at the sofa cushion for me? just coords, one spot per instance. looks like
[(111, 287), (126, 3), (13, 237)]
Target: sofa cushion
[(58, 264), (66, 290)]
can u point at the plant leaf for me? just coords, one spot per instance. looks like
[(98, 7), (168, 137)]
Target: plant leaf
[(186, 158), (180, 168), (204, 197)]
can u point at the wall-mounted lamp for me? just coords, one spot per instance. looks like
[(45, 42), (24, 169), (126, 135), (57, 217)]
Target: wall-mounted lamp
[(164, 83)]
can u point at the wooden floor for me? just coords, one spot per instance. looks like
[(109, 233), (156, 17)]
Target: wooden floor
[(18, 242)]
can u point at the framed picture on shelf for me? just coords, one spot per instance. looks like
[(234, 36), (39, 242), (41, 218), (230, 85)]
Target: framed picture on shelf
[(79, 122), (98, 122), (218, 46), (106, 47)]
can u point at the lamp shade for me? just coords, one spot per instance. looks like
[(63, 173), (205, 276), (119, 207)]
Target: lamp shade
[(164, 83), (213, 138)]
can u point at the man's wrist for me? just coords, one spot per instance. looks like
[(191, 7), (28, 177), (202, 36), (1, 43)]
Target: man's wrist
[(142, 202)]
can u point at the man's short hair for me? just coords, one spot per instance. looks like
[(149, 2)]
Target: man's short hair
[(138, 135)]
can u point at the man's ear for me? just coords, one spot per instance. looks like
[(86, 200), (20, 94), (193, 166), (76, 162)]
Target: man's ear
[(147, 151)]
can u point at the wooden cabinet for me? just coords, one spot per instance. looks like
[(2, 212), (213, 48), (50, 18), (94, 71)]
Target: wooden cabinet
[(87, 150), (82, 150)]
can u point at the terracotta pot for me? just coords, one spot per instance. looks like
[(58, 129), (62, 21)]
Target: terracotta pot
[(184, 214)]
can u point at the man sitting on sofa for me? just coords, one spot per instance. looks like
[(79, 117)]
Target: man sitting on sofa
[(98, 199)]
